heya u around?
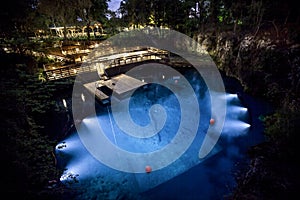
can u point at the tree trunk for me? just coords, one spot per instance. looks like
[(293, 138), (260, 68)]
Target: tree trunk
[(88, 30), (65, 31), (235, 25)]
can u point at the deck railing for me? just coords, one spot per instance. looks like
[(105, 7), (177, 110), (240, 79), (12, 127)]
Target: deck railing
[(106, 61)]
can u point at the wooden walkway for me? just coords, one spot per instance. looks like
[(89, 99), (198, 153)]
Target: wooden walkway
[(110, 71), (101, 63)]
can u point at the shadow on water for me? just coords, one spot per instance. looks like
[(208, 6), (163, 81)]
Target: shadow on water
[(186, 178)]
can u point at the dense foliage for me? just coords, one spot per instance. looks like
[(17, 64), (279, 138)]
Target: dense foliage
[(28, 139)]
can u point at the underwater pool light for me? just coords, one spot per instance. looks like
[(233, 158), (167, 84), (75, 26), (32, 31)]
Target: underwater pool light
[(232, 96)]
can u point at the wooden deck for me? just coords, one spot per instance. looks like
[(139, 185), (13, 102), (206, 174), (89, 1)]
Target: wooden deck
[(121, 85), (99, 95)]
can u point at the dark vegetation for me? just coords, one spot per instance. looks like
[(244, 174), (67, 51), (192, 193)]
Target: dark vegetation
[(255, 41), (28, 130)]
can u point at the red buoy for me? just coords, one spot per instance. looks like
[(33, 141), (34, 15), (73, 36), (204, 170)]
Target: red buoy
[(211, 121), (148, 169)]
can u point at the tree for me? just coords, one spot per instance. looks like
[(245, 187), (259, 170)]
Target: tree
[(174, 14), (133, 12), (91, 10), (60, 12), (83, 11), (13, 17), (99, 10)]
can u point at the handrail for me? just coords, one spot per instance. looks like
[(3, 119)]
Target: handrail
[(111, 61)]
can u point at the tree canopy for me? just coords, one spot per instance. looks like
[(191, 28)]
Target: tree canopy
[(20, 17), (23, 17), (183, 15)]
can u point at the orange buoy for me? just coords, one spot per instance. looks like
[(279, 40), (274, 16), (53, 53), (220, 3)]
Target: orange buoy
[(148, 169), (211, 121)]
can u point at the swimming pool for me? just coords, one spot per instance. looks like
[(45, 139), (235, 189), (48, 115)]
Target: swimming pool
[(186, 177)]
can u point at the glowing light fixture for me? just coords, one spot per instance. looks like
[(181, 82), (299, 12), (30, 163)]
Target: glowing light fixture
[(65, 103), (232, 96), (83, 97)]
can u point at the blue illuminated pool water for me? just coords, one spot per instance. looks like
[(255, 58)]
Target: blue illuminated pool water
[(186, 178)]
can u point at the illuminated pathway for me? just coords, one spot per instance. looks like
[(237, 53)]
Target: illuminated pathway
[(101, 62)]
